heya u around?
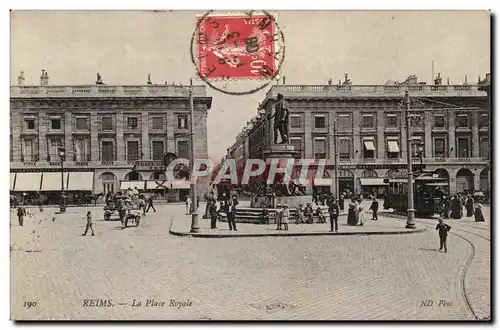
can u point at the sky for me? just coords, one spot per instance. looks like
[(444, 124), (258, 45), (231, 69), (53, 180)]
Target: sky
[(371, 46)]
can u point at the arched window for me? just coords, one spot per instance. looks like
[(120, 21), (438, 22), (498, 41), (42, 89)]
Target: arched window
[(369, 174), (108, 180), (158, 176)]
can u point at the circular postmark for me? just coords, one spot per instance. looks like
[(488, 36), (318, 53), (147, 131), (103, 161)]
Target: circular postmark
[(237, 54)]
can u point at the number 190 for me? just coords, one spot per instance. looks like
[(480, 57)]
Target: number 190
[(29, 304)]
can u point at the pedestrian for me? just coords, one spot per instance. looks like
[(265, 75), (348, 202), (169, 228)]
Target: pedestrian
[(213, 215), (470, 206), (264, 217), (21, 213), (321, 217), (89, 224), (231, 216), (360, 214), (341, 202), (278, 217), (374, 208), (300, 215), (285, 216), (443, 234), (150, 204), (308, 213), (478, 212), (142, 205), (188, 205), (334, 211), (351, 213), (446, 208), (122, 213)]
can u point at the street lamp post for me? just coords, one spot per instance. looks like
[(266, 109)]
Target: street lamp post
[(62, 202), (410, 222), (195, 225), (335, 161)]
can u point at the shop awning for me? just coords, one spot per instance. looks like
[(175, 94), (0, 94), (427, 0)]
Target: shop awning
[(124, 185), (51, 181), (181, 184), (158, 184), (12, 180), (393, 146), (323, 182), (81, 181), (369, 145), (373, 182), (29, 181)]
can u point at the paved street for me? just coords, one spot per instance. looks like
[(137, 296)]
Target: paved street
[(321, 277)]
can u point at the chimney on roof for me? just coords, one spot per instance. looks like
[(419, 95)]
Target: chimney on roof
[(98, 80), (448, 80), (20, 79), (465, 82), (438, 80), (284, 80), (149, 79), (44, 78)]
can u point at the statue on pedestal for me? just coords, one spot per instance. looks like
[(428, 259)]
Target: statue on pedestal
[(281, 116)]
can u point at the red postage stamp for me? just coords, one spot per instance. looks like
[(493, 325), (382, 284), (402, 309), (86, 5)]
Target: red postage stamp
[(236, 47)]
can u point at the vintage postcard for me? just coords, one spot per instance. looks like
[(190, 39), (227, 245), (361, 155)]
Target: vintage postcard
[(250, 165)]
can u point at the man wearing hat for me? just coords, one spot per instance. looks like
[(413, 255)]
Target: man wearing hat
[(374, 208), (443, 234)]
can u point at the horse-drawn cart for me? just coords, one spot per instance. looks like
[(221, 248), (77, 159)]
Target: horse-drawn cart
[(132, 210)]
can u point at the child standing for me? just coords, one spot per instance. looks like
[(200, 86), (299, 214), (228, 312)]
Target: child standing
[(443, 234)]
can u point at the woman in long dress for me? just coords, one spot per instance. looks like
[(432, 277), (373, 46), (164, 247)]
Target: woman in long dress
[(285, 216), (470, 206), (351, 214), (361, 216), (478, 212)]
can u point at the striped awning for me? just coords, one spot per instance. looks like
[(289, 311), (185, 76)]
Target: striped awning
[(393, 146), (158, 184), (124, 185), (373, 182), (51, 181), (12, 180), (81, 181), (29, 181), (181, 184), (323, 182)]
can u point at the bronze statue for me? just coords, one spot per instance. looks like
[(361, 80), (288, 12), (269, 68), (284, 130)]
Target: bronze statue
[(281, 116)]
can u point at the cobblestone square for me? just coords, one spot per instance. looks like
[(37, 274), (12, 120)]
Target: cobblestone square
[(379, 277)]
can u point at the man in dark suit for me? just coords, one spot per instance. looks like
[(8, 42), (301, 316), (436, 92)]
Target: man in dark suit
[(334, 211), (374, 208), (231, 216)]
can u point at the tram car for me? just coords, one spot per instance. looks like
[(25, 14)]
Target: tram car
[(224, 190), (428, 191)]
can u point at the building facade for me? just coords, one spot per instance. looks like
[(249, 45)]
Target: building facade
[(106, 131), (449, 129)]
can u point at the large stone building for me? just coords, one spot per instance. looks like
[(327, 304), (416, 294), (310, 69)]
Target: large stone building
[(449, 126), (106, 131)]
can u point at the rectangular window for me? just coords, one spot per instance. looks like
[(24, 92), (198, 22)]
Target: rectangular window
[(393, 148), (28, 150), (107, 151), (439, 121), (296, 121), (55, 123), (54, 145), (344, 121), (157, 123), (29, 124), (367, 121), (81, 147), (463, 147), (157, 150), (183, 149), (392, 121), (107, 123), (82, 123), (368, 148), (319, 121), (319, 148), (440, 148), (484, 121), (484, 148), (344, 145), (132, 150), (297, 144), (132, 122), (182, 122), (463, 121), (417, 148)]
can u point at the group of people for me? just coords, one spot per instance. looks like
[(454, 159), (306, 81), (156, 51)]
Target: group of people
[(119, 202), (226, 209), (454, 207)]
